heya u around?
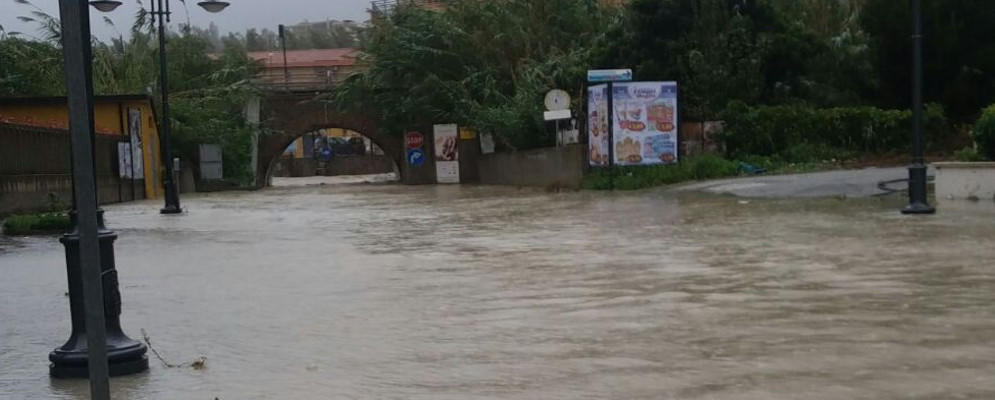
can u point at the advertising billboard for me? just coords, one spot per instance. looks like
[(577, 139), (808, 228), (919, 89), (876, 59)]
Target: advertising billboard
[(597, 125), (645, 123), (447, 153)]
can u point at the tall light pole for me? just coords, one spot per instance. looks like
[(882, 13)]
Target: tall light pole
[(918, 201), (163, 13), (97, 348)]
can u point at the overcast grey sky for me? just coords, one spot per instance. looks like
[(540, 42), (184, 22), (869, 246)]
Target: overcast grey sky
[(242, 14)]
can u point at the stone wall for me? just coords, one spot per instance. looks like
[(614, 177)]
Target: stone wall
[(560, 167), (35, 171)]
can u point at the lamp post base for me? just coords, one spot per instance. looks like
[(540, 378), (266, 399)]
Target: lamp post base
[(123, 368), (918, 201), (918, 209), (171, 210), (125, 355)]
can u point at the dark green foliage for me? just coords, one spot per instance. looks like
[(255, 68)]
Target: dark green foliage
[(797, 132), (641, 177), (984, 133), (959, 53), (968, 154), (758, 52), (36, 223), (484, 65)]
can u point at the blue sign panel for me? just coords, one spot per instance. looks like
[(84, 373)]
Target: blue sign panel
[(609, 75), (416, 157)]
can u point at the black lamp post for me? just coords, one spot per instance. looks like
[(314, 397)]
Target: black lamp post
[(97, 348), (918, 201), (163, 13)]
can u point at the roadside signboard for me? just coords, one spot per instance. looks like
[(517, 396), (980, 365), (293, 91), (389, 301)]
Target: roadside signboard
[(416, 157), (609, 75), (597, 125), (645, 123), (414, 140), (446, 153), (557, 115)]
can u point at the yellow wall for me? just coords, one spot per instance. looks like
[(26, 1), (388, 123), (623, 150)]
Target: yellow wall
[(111, 118)]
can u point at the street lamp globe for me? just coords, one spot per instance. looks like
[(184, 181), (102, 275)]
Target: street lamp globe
[(214, 6), (105, 5)]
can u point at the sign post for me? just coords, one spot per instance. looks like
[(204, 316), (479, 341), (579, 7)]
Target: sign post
[(557, 108), (415, 142)]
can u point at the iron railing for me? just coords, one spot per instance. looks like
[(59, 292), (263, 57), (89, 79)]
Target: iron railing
[(277, 81)]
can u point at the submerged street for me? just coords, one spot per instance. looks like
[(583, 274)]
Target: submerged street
[(358, 291)]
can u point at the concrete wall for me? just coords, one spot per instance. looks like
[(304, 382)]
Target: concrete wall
[(965, 181), (35, 170), (358, 165), (561, 167)]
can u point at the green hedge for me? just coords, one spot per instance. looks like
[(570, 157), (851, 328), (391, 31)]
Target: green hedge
[(36, 223), (984, 133), (640, 177), (775, 130)]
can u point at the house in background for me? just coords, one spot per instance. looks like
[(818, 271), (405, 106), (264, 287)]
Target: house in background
[(34, 151)]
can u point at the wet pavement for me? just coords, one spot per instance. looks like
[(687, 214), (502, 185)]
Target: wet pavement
[(842, 183), (448, 292)]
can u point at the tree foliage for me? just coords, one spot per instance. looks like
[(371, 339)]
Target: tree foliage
[(484, 65), (959, 60)]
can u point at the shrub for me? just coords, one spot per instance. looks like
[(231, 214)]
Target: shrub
[(968, 154), (37, 223), (984, 133), (641, 177), (799, 133)]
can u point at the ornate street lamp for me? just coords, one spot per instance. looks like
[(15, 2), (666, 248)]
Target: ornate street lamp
[(918, 201), (172, 205), (97, 348)]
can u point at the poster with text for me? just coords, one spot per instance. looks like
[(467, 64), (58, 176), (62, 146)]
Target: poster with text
[(446, 153), (135, 133), (645, 122), (124, 160), (597, 124)]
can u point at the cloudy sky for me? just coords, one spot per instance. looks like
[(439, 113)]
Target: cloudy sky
[(242, 14)]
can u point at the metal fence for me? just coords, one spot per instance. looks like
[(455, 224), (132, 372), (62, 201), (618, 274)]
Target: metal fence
[(276, 80)]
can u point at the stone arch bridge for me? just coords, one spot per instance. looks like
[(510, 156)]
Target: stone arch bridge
[(288, 116)]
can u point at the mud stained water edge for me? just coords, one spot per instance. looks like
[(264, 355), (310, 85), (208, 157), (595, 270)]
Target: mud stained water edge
[(468, 292)]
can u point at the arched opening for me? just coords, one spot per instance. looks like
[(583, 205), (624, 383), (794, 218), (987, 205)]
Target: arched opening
[(331, 155)]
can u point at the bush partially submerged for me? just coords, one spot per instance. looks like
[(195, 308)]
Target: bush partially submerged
[(984, 133), (45, 223), (794, 132), (640, 177)]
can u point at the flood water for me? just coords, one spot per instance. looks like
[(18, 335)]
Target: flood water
[(449, 292)]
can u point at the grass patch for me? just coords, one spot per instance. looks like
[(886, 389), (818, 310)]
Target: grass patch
[(641, 177), (29, 224)]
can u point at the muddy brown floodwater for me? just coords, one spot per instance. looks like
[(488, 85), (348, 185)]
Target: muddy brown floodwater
[(448, 292)]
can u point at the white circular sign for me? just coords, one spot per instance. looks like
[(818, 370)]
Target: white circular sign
[(557, 100)]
